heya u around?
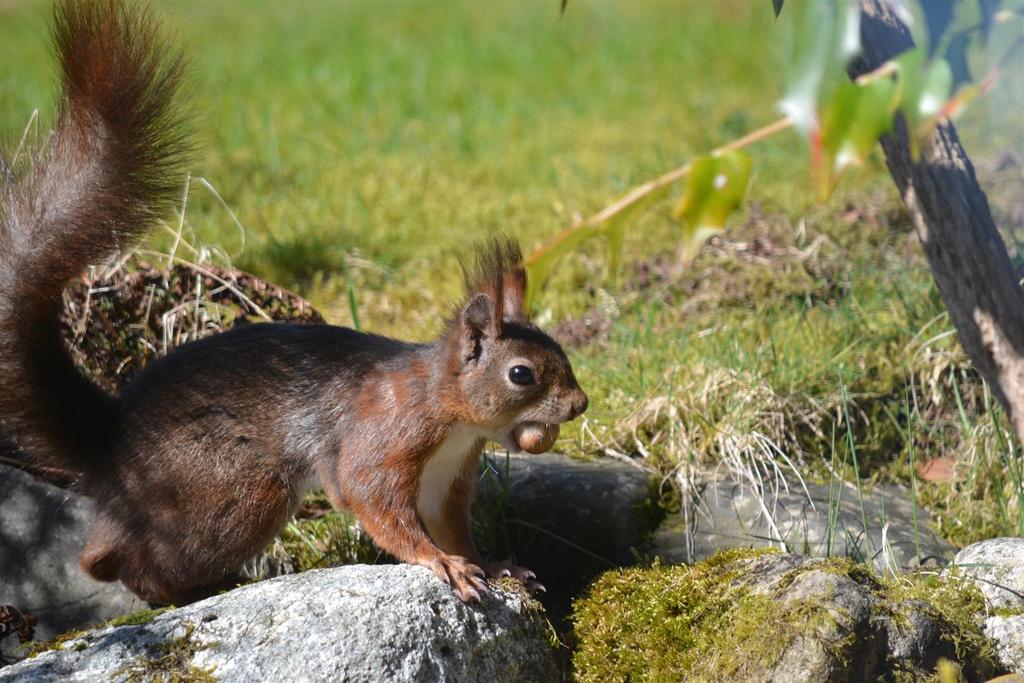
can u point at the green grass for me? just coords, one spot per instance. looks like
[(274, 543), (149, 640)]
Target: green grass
[(398, 129), (375, 139)]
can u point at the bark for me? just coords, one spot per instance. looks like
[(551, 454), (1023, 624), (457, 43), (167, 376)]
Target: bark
[(950, 212)]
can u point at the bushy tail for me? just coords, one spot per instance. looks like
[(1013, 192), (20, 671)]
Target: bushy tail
[(113, 164)]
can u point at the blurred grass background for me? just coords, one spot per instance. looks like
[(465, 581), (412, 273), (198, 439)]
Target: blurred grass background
[(400, 129), (378, 138)]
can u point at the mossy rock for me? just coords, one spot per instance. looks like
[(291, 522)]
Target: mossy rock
[(747, 615)]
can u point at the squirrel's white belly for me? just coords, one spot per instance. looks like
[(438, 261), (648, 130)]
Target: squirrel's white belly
[(444, 465)]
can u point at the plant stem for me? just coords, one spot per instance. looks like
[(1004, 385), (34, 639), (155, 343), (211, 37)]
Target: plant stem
[(650, 187), (755, 136)]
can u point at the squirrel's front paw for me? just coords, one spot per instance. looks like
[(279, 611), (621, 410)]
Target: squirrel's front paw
[(462, 575), (499, 570)]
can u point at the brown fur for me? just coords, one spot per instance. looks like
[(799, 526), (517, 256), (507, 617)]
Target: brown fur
[(201, 459)]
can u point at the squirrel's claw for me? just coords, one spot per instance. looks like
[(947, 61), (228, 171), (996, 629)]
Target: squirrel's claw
[(497, 570), (466, 578), (500, 570)]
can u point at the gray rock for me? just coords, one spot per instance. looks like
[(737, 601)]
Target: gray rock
[(1008, 632), (567, 520), (43, 530), (732, 516), (841, 610), (997, 567), (355, 623), (918, 637)]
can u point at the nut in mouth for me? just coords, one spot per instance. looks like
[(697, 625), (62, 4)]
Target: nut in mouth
[(534, 437)]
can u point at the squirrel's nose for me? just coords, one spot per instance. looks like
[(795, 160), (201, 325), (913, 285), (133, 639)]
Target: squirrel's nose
[(579, 404)]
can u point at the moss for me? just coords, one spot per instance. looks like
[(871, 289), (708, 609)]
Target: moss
[(143, 616), (134, 619), (692, 622), (728, 557), (858, 571), (516, 587), (704, 623), (955, 605), (948, 672), (172, 663), (36, 648)]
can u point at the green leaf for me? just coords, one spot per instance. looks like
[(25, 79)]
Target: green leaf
[(713, 190), (821, 38), (852, 121), (924, 90), (538, 265), (614, 228)]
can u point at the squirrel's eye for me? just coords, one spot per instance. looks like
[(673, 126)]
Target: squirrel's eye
[(520, 374)]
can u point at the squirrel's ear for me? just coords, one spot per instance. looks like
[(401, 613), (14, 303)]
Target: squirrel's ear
[(513, 292), (479, 321)]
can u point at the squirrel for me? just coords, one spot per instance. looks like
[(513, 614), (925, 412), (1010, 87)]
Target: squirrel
[(202, 458)]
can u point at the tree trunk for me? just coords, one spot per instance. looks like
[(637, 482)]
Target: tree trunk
[(951, 215)]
